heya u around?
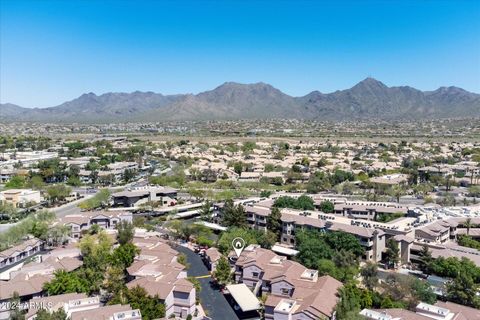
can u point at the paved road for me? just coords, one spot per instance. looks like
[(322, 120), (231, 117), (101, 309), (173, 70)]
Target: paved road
[(212, 300), (60, 212)]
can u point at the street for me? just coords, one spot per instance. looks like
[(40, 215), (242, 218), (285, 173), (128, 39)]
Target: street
[(212, 300), (60, 212)]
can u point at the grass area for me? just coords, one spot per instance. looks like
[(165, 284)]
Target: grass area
[(385, 218)]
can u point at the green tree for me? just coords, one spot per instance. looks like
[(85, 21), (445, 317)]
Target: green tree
[(100, 199), (125, 232), (206, 211), (468, 241), (463, 290), (182, 259), (7, 211), (15, 312), (304, 202), (347, 265), (350, 303), (274, 222), (150, 307), (129, 175), (319, 181), (312, 247), (339, 240), (234, 215), (327, 206), (422, 291), (40, 230), (43, 314), (74, 181), (328, 267), (225, 242), (58, 192), (65, 282), (96, 253), (369, 275), (223, 272), (397, 191), (468, 225), (124, 255), (36, 182), (15, 182), (425, 260), (265, 239), (238, 168), (94, 229), (392, 253), (265, 193), (114, 280)]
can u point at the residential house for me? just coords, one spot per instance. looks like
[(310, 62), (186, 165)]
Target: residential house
[(20, 252), (439, 231), (105, 219), (294, 292), (157, 270), (423, 311), (212, 256)]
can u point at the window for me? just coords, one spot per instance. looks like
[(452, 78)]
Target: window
[(255, 274), (285, 291)]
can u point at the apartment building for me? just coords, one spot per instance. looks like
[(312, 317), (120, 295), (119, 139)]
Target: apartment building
[(27, 280), (368, 210), (26, 287), (70, 302), (211, 258), (371, 239), (157, 270), (257, 217), (114, 312), (20, 252), (26, 158), (294, 292), (445, 250), (118, 168), (423, 311), (20, 198), (105, 219), (439, 231), (371, 236), (165, 196)]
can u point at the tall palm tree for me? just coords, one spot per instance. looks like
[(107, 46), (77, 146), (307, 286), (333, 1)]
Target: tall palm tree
[(468, 225)]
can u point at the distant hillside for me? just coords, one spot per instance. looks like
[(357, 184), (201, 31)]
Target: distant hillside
[(367, 99)]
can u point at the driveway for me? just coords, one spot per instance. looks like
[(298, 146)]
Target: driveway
[(212, 300)]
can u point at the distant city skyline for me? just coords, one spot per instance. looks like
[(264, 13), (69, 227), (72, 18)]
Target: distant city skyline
[(53, 51)]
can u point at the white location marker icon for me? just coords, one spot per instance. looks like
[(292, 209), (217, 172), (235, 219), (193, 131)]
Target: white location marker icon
[(238, 244)]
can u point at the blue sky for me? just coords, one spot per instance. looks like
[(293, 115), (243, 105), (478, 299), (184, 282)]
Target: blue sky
[(53, 51)]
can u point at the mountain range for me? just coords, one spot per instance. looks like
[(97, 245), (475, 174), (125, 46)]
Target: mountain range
[(369, 99)]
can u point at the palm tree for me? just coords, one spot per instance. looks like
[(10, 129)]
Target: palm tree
[(398, 191), (447, 182), (468, 225)]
